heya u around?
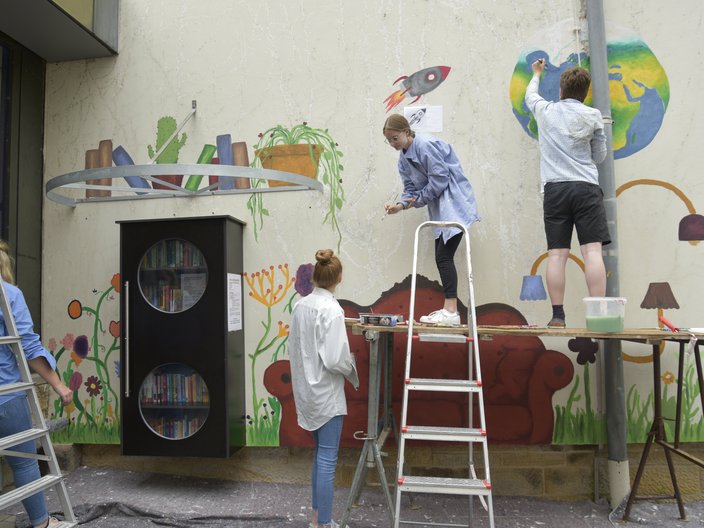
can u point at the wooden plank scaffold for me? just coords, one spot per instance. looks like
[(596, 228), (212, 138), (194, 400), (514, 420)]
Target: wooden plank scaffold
[(381, 343)]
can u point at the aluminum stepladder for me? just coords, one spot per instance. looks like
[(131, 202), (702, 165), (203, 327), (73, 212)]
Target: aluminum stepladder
[(39, 431), (472, 386)]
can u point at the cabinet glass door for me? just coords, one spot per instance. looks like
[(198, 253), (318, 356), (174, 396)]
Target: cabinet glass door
[(173, 275), (174, 401)]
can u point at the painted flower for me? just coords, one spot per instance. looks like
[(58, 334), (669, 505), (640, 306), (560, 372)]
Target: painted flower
[(67, 341), (115, 282), (52, 345), (264, 287), (75, 382), (114, 329), (93, 386), (80, 349), (585, 348), (283, 331), (668, 378), (75, 309), (304, 279)]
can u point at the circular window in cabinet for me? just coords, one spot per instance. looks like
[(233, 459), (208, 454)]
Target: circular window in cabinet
[(173, 275), (174, 401)]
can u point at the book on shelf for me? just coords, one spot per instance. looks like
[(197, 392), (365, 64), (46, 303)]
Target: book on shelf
[(121, 157), (103, 159)]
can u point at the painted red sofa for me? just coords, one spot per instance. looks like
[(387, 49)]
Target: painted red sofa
[(519, 375)]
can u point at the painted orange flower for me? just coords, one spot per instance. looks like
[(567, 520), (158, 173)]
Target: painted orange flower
[(75, 309), (283, 329), (115, 282), (114, 329), (668, 378), (264, 287)]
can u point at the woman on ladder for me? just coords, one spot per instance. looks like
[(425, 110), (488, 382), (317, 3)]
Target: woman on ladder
[(432, 176)]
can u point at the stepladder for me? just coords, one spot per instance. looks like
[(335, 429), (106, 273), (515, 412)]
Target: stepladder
[(474, 484), (38, 432)]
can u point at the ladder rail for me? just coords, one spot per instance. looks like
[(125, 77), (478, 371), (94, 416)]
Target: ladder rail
[(474, 361), (477, 487), (407, 374)]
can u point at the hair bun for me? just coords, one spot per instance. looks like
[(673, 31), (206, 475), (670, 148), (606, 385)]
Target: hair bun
[(324, 256)]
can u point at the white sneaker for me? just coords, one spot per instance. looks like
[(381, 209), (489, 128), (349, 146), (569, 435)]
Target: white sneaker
[(442, 318), (332, 524), (53, 521)]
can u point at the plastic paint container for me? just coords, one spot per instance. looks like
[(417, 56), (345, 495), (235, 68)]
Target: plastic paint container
[(605, 314)]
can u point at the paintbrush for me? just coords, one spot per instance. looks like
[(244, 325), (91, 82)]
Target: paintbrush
[(393, 201)]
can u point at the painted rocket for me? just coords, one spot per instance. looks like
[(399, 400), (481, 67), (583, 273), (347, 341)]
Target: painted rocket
[(417, 84)]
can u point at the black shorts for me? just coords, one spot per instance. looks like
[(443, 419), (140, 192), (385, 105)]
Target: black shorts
[(578, 204)]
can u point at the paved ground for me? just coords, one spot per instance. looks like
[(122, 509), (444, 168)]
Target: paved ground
[(125, 499)]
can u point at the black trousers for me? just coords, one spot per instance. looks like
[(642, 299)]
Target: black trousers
[(445, 260)]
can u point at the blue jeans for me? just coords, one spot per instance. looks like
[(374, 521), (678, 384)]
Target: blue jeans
[(15, 417), (327, 444)]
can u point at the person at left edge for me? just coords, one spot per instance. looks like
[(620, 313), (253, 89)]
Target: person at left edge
[(15, 416)]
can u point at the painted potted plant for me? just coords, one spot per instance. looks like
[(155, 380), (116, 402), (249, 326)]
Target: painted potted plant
[(303, 150)]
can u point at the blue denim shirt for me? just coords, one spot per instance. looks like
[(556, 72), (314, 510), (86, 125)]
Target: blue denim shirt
[(32, 346), (432, 174)]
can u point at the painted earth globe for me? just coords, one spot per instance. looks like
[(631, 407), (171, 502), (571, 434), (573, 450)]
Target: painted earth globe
[(640, 91)]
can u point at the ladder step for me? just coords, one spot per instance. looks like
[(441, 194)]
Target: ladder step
[(21, 437), (447, 486), (15, 387), (21, 493), (445, 434), (444, 338), (443, 385), (9, 340)]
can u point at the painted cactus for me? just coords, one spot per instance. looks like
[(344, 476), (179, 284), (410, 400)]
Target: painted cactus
[(164, 129)]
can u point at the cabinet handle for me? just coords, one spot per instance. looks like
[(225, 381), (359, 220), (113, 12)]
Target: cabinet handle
[(127, 339)]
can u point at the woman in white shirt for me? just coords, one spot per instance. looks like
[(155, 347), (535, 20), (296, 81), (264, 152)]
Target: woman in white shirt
[(320, 361)]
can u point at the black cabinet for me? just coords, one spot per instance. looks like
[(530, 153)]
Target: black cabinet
[(182, 347)]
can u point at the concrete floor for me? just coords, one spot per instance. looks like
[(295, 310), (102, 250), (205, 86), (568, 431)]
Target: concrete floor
[(112, 498)]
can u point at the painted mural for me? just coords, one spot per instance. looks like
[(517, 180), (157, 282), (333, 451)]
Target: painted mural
[(300, 149), (537, 391), (520, 376), (270, 288), (640, 90), (304, 150), (640, 96), (89, 364)]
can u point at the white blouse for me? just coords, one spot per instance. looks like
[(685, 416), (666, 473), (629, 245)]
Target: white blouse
[(320, 358)]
